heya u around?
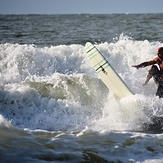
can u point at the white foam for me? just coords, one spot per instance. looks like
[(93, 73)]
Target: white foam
[(41, 87)]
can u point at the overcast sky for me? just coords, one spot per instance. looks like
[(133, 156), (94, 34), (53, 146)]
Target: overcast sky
[(80, 6)]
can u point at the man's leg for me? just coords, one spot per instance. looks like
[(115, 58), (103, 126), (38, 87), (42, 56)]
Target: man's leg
[(160, 90), (153, 72)]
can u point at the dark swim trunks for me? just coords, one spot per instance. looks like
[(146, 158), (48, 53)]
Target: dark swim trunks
[(160, 90), (155, 73)]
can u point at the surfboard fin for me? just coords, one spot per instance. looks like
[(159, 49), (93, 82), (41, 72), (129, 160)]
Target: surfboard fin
[(103, 70)]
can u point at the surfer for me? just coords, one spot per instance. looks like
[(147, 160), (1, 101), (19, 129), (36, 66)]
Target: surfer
[(154, 72)]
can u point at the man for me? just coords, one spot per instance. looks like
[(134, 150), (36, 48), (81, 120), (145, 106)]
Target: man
[(154, 72)]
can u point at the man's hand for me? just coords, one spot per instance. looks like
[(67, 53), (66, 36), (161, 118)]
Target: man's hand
[(136, 66)]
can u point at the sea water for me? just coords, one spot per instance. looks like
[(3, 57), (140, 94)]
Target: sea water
[(53, 105)]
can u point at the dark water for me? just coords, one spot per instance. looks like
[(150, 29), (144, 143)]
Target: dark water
[(46, 30)]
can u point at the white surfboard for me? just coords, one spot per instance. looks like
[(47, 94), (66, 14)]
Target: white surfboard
[(107, 74)]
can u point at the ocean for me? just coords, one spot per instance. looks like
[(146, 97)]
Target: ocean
[(53, 105)]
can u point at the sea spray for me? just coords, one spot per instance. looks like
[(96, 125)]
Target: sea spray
[(54, 107)]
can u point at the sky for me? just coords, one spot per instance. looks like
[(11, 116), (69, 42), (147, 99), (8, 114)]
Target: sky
[(80, 6)]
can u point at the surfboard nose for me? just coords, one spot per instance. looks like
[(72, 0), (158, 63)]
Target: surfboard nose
[(106, 72)]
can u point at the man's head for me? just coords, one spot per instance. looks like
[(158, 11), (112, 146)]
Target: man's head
[(160, 52)]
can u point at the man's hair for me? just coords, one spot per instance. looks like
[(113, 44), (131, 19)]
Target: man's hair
[(160, 50)]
